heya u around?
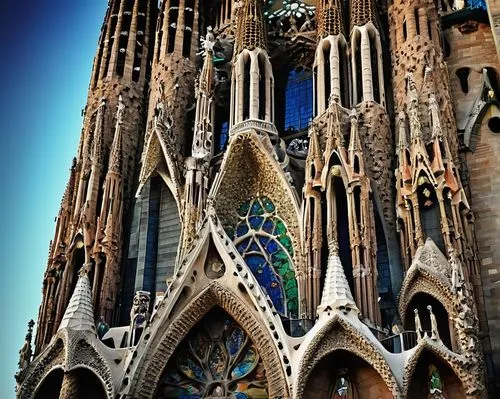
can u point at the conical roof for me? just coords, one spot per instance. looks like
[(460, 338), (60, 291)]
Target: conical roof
[(79, 315), (336, 291)]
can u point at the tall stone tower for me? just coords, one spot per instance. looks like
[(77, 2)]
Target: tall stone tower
[(275, 202), (89, 229)]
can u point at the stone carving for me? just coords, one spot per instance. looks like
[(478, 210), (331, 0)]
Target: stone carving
[(25, 353), (139, 316)]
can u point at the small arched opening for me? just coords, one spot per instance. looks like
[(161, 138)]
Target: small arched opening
[(343, 375), (421, 302), (434, 378), (89, 385), (51, 385)]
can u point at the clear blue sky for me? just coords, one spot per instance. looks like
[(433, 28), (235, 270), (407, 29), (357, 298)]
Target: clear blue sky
[(47, 49)]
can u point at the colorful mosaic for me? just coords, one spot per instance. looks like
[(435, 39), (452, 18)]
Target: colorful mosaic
[(216, 359), (261, 237)]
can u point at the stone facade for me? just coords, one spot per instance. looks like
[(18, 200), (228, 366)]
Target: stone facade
[(288, 199)]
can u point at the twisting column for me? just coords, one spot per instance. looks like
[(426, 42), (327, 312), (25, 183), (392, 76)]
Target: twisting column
[(120, 67)]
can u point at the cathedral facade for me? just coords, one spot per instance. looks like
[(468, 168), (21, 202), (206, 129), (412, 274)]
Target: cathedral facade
[(280, 199)]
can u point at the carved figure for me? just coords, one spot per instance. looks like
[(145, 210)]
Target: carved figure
[(139, 316)]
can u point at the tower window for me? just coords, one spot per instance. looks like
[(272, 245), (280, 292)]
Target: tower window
[(298, 100)]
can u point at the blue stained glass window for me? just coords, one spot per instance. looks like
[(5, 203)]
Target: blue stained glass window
[(269, 254), (224, 131), (298, 100)]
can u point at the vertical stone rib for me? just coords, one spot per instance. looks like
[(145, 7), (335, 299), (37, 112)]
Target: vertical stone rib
[(116, 41), (131, 44)]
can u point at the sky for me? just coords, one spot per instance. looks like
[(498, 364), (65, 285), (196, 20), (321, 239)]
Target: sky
[(47, 49)]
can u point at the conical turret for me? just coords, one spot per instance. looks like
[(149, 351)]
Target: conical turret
[(79, 315)]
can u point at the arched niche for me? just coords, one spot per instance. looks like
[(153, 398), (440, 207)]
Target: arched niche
[(421, 301), (88, 384), (342, 374), (169, 335), (217, 358), (50, 386), (432, 374)]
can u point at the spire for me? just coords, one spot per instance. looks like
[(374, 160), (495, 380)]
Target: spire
[(329, 15), (362, 12), (336, 292), (115, 157), (250, 31), (79, 315)]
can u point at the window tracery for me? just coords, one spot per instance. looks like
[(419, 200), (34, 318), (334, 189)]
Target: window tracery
[(261, 237), (216, 359)]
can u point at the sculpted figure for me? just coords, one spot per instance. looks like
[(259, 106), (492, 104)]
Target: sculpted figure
[(139, 316)]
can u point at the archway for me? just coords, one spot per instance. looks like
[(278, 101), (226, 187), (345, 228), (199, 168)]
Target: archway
[(342, 374), (51, 385), (216, 359), (432, 376), (88, 383), (421, 301)]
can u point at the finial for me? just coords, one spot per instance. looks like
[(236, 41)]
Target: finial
[(418, 325), (434, 327), (25, 353)]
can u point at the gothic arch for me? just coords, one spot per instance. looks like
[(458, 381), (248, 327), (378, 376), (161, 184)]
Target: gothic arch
[(50, 385), (421, 278), (160, 156), (340, 334), (443, 356), (248, 168), (169, 335)]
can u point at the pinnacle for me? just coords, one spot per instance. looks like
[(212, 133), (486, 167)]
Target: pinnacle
[(79, 315), (336, 292)]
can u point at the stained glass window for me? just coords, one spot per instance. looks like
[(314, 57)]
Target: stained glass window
[(261, 237), (298, 99), (216, 359)]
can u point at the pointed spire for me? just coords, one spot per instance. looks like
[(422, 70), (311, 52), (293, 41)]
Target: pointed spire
[(330, 20), (362, 12), (336, 292), (115, 157), (250, 31), (79, 315)]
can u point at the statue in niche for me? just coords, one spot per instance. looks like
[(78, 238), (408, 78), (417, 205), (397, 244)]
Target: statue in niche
[(342, 389), (139, 316), (435, 383)]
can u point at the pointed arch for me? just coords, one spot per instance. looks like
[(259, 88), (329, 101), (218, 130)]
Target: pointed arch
[(430, 274), (424, 352), (32, 379), (50, 386), (339, 334), (169, 335), (249, 168)]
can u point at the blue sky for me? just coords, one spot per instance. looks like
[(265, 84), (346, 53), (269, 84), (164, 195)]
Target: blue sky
[(47, 49)]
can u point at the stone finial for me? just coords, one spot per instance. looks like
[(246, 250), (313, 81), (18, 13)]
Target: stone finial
[(25, 353), (250, 31), (434, 327), (418, 325)]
